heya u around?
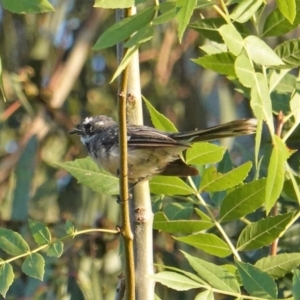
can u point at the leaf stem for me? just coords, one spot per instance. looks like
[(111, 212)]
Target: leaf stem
[(69, 236), (217, 224), (221, 13)]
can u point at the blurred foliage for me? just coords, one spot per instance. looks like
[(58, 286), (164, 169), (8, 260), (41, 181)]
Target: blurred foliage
[(40, 52), (52, 79)]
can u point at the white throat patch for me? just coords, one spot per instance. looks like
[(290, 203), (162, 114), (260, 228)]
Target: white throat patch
[(86, 139)]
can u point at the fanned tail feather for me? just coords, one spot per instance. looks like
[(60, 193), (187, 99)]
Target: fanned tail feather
[(230, 129)]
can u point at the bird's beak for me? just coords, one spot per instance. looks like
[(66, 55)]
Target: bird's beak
[(76, 130)]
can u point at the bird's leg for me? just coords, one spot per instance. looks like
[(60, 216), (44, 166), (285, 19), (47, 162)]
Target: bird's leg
[(119, 201), (131, 186)]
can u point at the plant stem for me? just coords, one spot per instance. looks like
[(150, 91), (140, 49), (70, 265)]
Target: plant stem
[(72, 235), (141, 215), (126, 227), (124, 193), (217, 224)]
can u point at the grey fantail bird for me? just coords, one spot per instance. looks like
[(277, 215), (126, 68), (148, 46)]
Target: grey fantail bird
[(150, 151)]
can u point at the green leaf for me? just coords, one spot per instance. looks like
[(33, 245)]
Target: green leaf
[(256, 282), (207, 242), (178, 211), (204, 4), (232, 39), (289, 52), (206, 295), (281, 102), (261, 102), (179, 226), (276, 171), (87, 172), (69, 227), (231, 269), (276, 24), (169, 185), (204, 153), (28, 6), (12, 242), (291, 237), (125, 61), (175, 281), (6, 278), (209, 28), (280, 265), (40, 232), (260, 52), (117, 4), (243, 200), (141, 36), (56, 249), (222, 63), (159, 120), (289, 190), (296, 284), (212, 181), (295, 106), (34, 266), (217, 277), (184, 9), (226, 163), (263, 232), (245, 10), (213, 48), (281, 82), (123, 29), (202, 215), (187, 274), (168, 13), (288, 9), (244, 70)]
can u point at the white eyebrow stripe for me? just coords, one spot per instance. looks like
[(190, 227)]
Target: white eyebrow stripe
[(100, 123), (87, 120)]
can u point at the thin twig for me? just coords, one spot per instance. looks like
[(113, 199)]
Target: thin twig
[(126, 228), (217, 224)]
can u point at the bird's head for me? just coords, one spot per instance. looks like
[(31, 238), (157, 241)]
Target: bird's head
[(92, 126)]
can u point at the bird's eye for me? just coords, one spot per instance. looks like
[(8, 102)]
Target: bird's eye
[(88, 127)]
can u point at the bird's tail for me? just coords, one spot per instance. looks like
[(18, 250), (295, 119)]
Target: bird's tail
[(230, 129)]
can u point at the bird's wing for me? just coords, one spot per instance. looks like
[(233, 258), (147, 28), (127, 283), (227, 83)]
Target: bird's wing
[(148, 137), (140, 136)]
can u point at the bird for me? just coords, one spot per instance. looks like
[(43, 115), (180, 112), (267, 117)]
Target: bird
[(150, 151)]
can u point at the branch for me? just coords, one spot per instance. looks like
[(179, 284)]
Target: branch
[(126, 228), (140, 206)]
